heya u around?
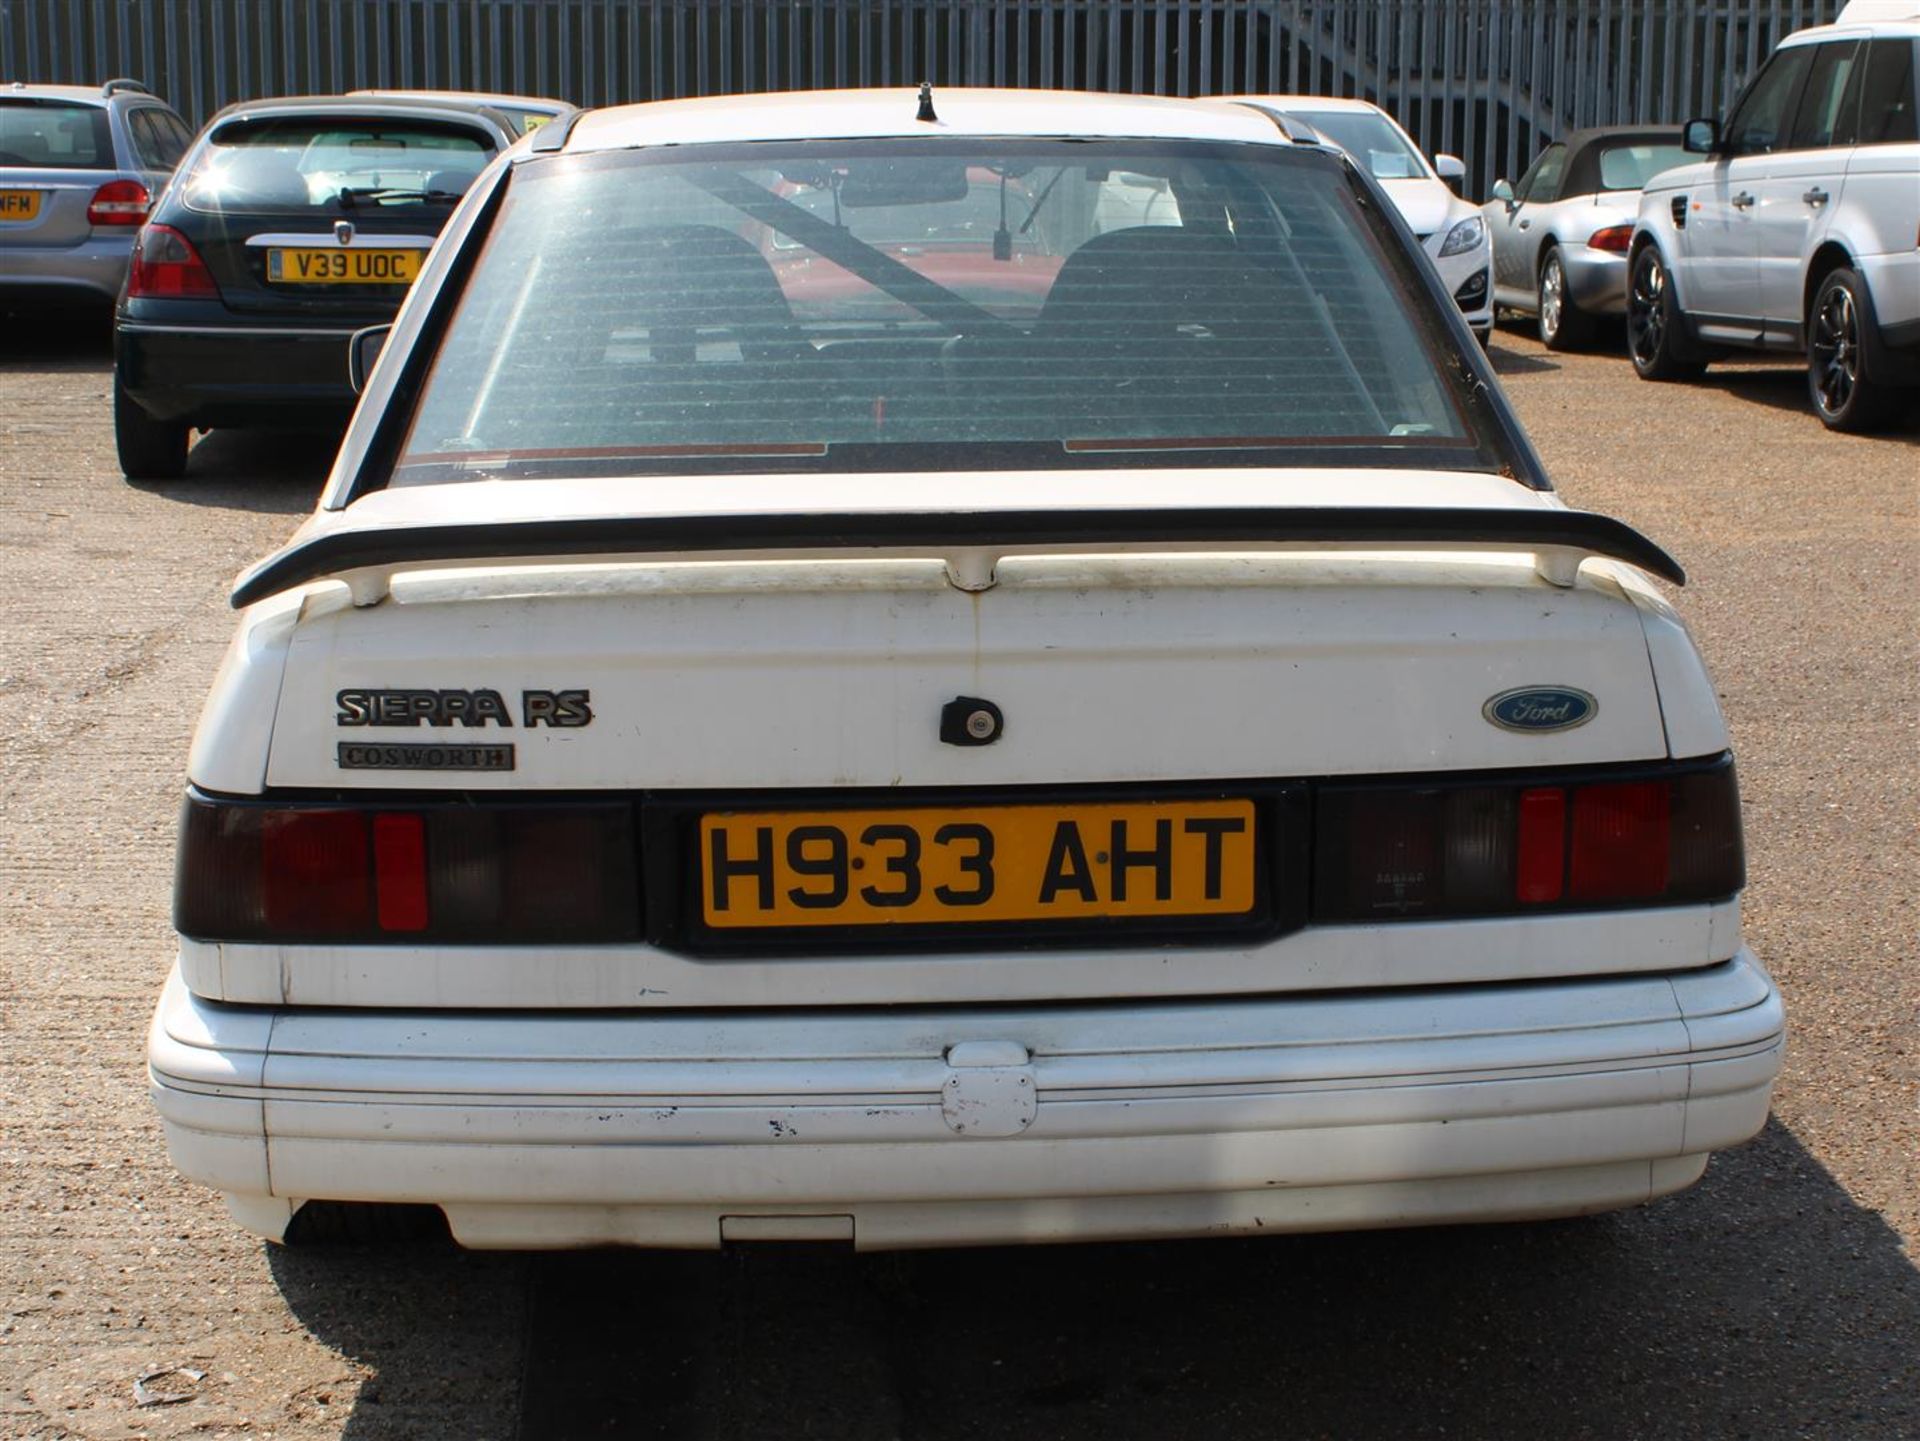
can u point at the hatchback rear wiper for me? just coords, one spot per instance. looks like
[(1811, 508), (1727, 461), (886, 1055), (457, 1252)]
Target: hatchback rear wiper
[(354, 195)]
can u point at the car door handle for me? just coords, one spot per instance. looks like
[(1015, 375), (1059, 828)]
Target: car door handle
[(1741, 201), (1525, 223), (1816, 196)]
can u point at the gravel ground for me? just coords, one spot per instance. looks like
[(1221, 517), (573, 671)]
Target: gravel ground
[(1777, 1299)]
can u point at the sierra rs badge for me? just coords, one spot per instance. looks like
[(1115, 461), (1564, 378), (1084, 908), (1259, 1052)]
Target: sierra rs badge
[(1540, 708), (560, 709)]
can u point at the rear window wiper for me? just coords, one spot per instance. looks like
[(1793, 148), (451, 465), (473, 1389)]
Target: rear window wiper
[(379, 193)]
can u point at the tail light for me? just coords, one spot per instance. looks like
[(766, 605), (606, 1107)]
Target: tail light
[(119, 202), (551, 872), (1615, 238), (167, 267), (1453, 849), (564, 871)]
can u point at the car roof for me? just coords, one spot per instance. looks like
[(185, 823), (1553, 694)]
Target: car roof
[(475, 97), (1864, 12), (1312, 102), (1584, 146), (1897, 19), (83, 94), (860, 114), (375, 107), (119, 89), (1577, 140)]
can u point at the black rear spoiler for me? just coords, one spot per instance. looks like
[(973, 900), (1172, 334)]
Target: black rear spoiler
[(970, 542)]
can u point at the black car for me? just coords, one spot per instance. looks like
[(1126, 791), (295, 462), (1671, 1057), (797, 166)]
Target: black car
[(292, 224)]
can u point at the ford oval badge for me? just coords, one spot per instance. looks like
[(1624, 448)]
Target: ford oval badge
[(1541, 708)]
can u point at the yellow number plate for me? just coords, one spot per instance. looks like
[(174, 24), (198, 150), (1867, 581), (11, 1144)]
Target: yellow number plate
[(977, 864), (342, 266), (19, 205)]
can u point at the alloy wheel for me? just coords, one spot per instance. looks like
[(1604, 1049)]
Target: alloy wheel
[(1647, 310), (1836, 350), (1553, 288)]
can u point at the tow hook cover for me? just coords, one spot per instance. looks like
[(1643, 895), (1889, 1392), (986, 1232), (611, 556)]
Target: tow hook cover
[(989, 1089)]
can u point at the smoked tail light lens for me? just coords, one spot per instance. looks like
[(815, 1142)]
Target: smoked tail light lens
[(1616, 238), (119, 202), (561, 872), (1383, 852), (166, 267)]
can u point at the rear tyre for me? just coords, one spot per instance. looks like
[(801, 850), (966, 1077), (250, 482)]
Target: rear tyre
[(1843, 396), (1653, 323), (1563, 325), (149, 449)]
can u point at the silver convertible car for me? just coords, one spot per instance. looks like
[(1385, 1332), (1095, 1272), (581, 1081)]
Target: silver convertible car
[(1560, 236)]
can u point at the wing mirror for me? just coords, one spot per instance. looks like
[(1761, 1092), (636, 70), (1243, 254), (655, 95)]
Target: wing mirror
[(1503, 192), (362, 351), (1451, 169), (1701, 137)]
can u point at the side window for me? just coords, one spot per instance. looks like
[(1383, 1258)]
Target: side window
[(1887, 97), (158, 138), (179, 137), (1822, 120), (1541, 183), (1764, 117), (146, 144)]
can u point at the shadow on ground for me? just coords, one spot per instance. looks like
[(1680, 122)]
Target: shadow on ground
[(1762, 1304), (78, 339), (271, 472), (1781, 388), (1508, 361)]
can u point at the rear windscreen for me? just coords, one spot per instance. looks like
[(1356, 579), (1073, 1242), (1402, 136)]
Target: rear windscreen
[(1630, 167), (934, 305), (340, 166), (53, 135), (1369, 138)]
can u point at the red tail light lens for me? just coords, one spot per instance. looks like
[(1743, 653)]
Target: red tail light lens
[(1616, 238), (119, 202), (1385, 851), (400, 872), (1619, 842), (167, 267), (438, 872), (313, 872)]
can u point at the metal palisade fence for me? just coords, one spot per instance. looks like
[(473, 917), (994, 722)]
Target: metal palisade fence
[(1488, 80)]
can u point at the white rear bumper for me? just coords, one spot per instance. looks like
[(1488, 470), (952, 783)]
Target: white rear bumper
[(677, 1129)]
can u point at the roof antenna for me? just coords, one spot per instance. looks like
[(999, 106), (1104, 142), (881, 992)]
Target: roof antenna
[(926, 102)]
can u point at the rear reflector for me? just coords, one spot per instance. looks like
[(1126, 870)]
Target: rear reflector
[(400, 872), (1542, 846), (1384, 851), (119, 202), (543, 872), (166, 267)]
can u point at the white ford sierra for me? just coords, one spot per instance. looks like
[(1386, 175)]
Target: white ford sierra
[(949, 668)]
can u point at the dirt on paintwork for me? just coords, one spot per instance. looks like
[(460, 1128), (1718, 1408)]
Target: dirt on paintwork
[(1777, 1299)]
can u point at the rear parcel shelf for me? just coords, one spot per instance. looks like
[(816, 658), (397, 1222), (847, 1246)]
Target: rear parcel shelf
[(970, 542)]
